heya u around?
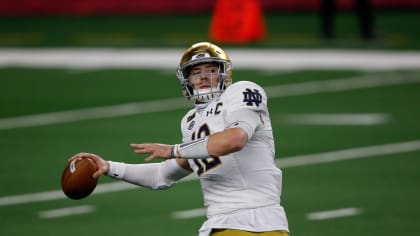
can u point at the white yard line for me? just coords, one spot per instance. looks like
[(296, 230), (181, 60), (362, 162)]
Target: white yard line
[(68, 211), (93, 113), (58, 194), (331, 214), (339, 85), (348, 154), (277, 91), (271, 59), (285, 162), (187, 214), (336, 119)]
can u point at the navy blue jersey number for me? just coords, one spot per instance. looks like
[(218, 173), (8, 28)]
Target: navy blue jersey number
[(204, 164)]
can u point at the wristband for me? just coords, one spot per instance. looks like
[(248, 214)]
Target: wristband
[(116, 169), (192, 150), (175, 151)]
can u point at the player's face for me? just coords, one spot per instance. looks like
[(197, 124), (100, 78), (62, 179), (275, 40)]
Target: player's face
[(204, 76)]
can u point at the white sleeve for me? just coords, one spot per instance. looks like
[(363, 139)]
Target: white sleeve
[(246, 119), (154, 175)]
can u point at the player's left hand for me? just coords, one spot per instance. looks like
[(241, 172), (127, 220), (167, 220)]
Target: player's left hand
[(156, 150)]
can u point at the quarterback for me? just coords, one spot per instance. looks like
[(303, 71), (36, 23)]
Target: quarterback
[(227, 141)]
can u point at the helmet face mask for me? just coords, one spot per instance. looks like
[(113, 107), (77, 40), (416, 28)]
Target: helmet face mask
[(202, 53)]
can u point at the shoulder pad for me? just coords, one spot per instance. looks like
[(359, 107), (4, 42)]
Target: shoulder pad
[(245, 94)]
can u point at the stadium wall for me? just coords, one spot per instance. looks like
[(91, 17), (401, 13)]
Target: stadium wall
[(106, 7)]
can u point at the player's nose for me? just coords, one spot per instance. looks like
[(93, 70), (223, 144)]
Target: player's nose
[(204, 77)]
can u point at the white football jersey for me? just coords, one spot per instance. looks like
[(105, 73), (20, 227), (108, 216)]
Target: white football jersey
[(247, 179)]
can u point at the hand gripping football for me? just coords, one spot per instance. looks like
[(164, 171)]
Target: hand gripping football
[(77, 181)]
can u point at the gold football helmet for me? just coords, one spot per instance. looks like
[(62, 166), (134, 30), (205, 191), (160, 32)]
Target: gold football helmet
[(200, 53)]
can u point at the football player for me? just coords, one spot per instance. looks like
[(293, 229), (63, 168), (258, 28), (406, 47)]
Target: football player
[(227, 141)]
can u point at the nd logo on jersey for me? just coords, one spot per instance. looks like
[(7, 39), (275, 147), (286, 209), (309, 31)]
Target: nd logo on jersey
[(252, 97)]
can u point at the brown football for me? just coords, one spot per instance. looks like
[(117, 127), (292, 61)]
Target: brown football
[(77, 181)]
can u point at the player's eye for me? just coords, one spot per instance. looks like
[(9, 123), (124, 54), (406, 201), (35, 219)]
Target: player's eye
[(194, 74)]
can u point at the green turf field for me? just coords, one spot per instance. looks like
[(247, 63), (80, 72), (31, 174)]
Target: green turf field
[(384, 189), (379, 187)]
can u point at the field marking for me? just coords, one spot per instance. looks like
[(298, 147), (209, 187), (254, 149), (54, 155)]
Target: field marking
[(331, 214), (136, 108), (187, 214), (336, 119), (68, 211), (167, 58), (284, 162), (93, 113), (339, 85), (58, 194), (348, 154)]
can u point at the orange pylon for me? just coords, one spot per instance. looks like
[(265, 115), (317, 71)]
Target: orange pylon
[(237, 21)]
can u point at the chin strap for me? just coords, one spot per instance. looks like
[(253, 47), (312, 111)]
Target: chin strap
[(206, 95)]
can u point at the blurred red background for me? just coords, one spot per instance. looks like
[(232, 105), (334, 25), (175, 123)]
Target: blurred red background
[(89, 7)]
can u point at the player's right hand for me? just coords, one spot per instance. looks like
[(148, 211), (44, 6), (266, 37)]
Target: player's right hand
[(103, 166)]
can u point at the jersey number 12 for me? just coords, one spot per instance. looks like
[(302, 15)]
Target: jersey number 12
[(205, 164)]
